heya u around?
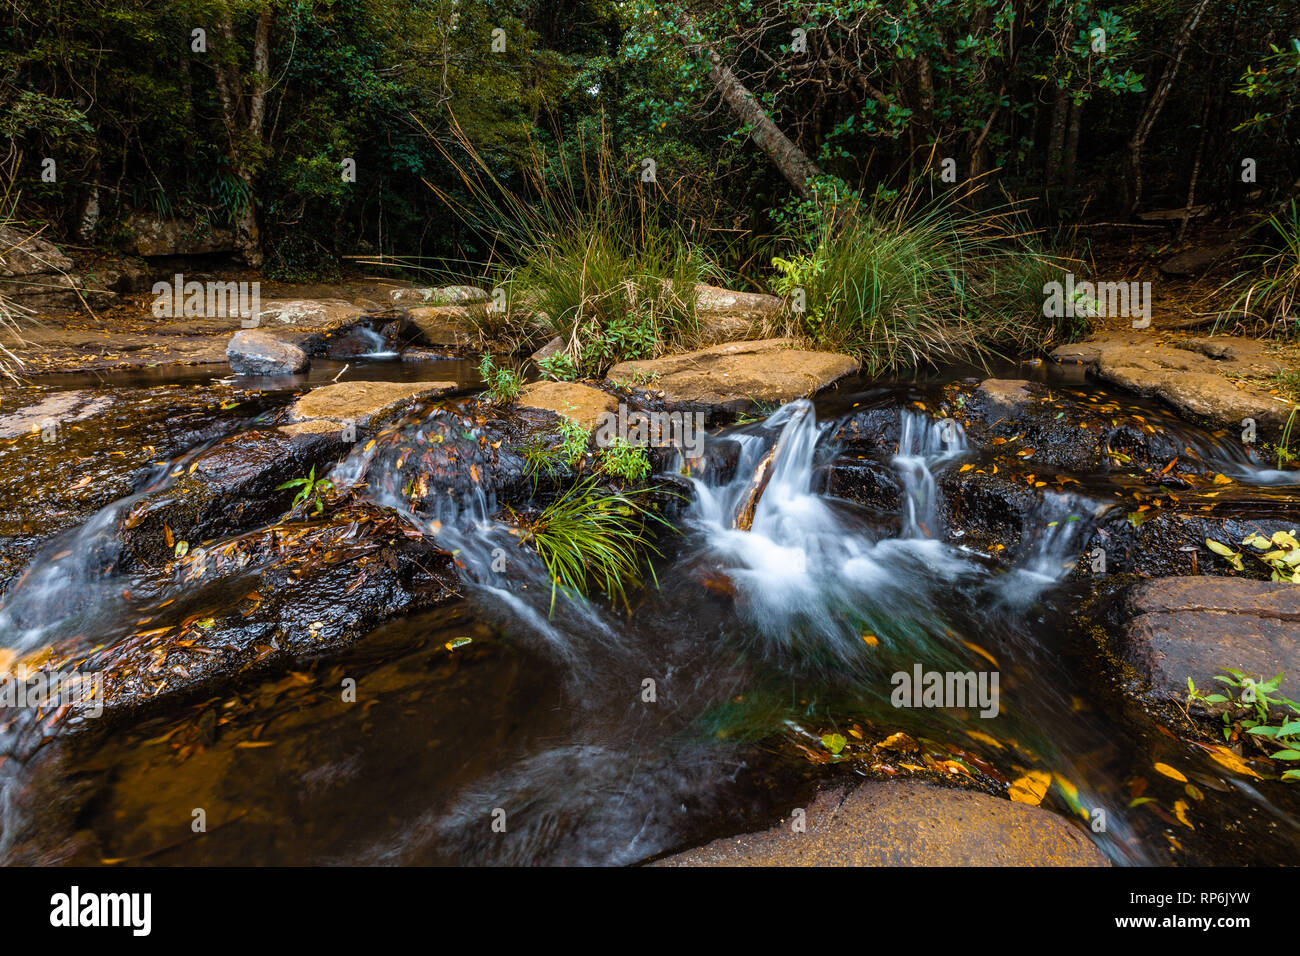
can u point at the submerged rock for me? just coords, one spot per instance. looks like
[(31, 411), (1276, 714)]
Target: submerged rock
[(254, 352), (1193, 627), (738, 376), (907, 824)]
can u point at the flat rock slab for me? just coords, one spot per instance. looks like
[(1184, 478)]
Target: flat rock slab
[(1194, 626), (362, 402), (907, 824), (582, 403), (1190, 375), (736, 376)]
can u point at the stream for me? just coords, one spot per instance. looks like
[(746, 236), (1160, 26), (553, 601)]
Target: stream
[(599, 735)]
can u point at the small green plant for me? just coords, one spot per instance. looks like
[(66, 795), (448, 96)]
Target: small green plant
[(1284, 453), (558, 367), (1249, 708), (624, 461), (503, 384), (309, 489), (573, 443), (1280, 553), (640, 378), (1272, 282), (588, 539)]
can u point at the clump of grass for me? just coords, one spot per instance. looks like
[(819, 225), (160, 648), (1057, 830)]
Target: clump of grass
[(503, 384), (902, 283), (545, 457), (624, 461), (592, 258), (589, 540), (1272, 283)]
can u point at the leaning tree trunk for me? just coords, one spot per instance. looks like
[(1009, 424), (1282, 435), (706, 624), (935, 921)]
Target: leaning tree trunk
[(787, 157), (1148, 121)]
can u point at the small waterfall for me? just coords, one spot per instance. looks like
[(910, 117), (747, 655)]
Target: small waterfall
[(1053, 536), (924, 446)]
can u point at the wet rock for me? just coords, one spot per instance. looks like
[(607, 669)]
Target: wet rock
[(1191, 376), (227, 488), (365, 403), (735, 377), (907, 824), (157, 236), (1193, 627), (303, 589), (999, 398), (445, 295), (584, 404), (255, 352), (53, 411), (307, 314)]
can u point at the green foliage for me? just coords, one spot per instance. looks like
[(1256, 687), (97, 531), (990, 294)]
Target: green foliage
[(1255, 708), (590, 540), (1280, 553), (309, 489), (558, 367), (502, 384), (1272, 281), (573, 441), (624, 461), (590, 253), (901, 282)]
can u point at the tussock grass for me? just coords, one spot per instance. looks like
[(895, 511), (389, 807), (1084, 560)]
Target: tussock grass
[(902, 282), (1267, 292), (584, 248)]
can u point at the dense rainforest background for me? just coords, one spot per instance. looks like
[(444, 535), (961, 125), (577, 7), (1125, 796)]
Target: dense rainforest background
[(744, 106)]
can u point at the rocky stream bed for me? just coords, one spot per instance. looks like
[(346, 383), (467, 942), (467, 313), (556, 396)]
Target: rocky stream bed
[(384, 680)]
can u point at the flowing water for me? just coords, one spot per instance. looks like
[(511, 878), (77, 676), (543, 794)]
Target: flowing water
[(598, 736)]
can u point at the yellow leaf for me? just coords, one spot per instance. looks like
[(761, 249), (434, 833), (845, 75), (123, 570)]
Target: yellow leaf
[(1180, 811), (1170, 772), (984, 738), (1226, 758), (1030, 788)]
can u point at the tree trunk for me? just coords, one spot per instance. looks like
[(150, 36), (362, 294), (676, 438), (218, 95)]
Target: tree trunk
[(1072, 143), (787, 157), (1056, 136), (1155, 104), (245, 118)]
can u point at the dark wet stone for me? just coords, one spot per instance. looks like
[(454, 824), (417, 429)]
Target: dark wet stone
[(1183, 627)]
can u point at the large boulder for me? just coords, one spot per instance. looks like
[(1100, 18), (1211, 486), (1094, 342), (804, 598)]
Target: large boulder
[(1195, 626), (907, 824), (156, 236), (255, 352), (737, 376), (35, 275), (725, 316)]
